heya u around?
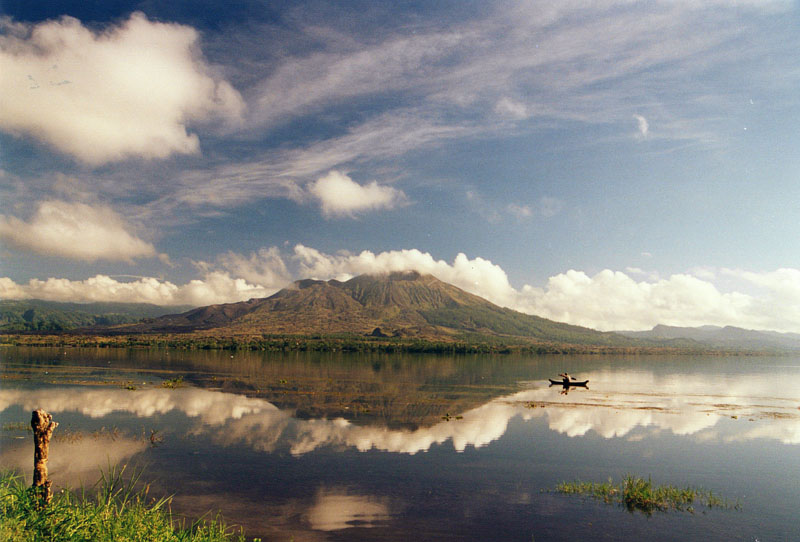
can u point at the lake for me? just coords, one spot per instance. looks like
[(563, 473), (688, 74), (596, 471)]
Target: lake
[(313, 446)]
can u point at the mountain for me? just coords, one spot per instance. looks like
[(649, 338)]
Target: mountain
[(407, 304), (727, 337), (39, 315)]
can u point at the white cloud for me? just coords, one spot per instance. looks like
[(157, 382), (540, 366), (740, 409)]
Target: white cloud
[(214, 287), (606, 301), (613, 300), (478, 275), (510, 108), (305, 84), (126, 92), (283, 173), (644, 126), (76, 231), (266, 267), (339, 195), (593, 63)]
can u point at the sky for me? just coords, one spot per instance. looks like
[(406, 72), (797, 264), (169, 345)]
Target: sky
[(611, 164)]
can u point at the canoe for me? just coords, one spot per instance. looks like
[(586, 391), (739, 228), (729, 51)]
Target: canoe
[(571, 382)]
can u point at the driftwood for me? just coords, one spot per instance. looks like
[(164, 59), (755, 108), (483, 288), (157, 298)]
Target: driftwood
[(43, 426)]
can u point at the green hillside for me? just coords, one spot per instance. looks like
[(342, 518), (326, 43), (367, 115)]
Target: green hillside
[(38, 315)]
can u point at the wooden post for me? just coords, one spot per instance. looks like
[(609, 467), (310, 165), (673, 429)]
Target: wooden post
[(43, 426)]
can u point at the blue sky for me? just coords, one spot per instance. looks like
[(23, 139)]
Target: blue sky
[(614, 166)]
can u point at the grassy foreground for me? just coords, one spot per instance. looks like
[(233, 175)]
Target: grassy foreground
[(639, 494), (115, 512)]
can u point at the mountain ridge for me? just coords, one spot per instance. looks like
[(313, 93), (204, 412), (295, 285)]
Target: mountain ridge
[(730, 337), (37, 315), (400, 304)]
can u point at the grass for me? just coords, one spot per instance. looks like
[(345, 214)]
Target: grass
[(638, 494), (115, 512)]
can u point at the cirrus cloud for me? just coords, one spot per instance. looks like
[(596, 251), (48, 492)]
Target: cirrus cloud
[(99, 97)]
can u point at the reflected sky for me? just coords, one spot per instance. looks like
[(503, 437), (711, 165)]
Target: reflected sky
[(616, 404), (489, 436), (77, 460)]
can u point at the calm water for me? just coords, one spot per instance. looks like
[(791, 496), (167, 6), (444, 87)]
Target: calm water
[(379, 447)]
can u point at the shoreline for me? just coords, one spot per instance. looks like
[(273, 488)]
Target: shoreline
[(349, 343)]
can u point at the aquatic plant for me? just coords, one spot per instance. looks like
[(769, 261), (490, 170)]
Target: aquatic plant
[(115, 512), (639, 494), (173, 383)]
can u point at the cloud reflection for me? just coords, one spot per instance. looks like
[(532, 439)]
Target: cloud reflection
[(616, 404), (336, 510), (683, 405), (213, 408)]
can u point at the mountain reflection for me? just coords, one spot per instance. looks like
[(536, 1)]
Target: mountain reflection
[(740, 408)]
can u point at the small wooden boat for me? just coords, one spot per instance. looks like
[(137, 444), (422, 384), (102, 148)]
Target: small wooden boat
[(570, 383)]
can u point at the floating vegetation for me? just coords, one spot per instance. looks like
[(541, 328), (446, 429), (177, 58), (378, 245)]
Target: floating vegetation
[(639, 494), (173, 383), (17, 426), (72, 436)]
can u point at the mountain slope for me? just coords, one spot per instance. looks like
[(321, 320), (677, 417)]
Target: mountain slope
[(727, 337), (405, 304), (39, 315)]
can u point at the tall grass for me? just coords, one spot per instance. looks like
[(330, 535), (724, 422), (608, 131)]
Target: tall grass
[(638, 494), (114, 511)]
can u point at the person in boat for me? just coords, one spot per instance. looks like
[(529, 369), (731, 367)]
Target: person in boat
[(565, 378)]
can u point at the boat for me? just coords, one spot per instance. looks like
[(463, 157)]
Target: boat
[(570, 383)]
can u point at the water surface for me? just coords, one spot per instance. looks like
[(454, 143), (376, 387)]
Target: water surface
[(399, 447)]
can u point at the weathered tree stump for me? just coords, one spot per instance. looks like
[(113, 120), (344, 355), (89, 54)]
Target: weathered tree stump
[(43, 426)]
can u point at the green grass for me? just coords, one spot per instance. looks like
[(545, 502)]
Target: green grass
[(113, 512), (638, 494)]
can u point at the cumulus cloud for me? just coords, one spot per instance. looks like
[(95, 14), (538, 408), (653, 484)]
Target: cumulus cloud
[(476, 275), (103, 96), (339, 195), (612, 300), (214, 287), (643, 125), (608, 300), (76, 231)]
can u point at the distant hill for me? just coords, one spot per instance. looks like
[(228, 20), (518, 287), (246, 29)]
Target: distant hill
[(407, 304), (39, 315), (728, 337)]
